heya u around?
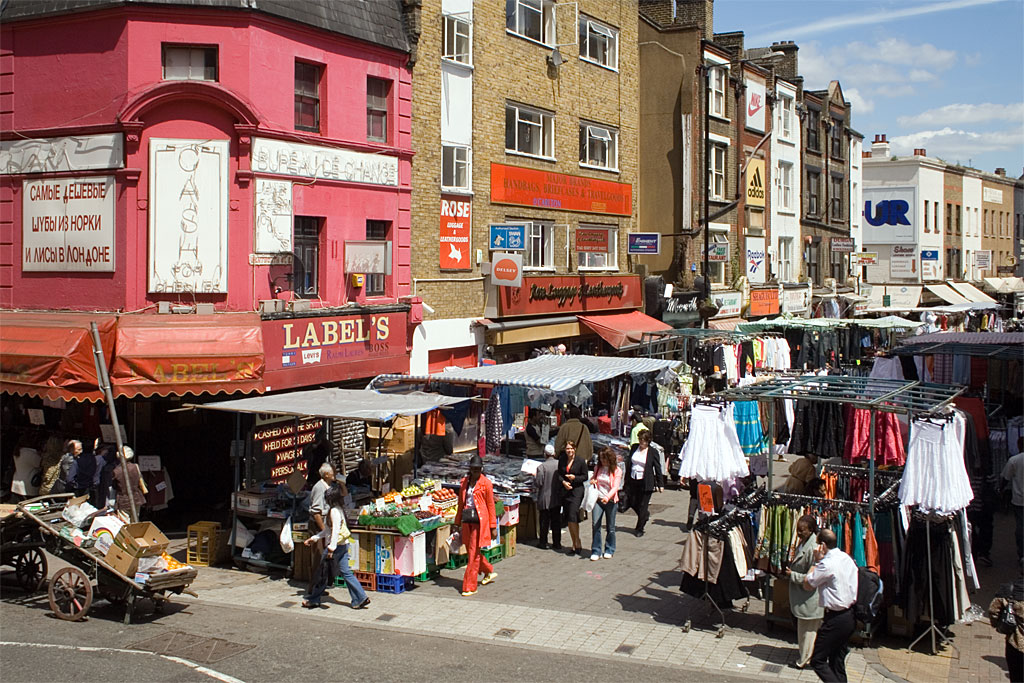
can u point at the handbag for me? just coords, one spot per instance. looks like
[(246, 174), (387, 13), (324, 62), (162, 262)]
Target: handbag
[(1006, 622), (470, 516), (590, 496)]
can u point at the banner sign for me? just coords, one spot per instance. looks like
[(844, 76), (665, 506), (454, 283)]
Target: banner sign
[(903, 261), (456, 232), (507, 270), (67, 224), (718, 252), (756, 105), (550, 190), (983, 259), (508, 236), (643, 243), (755, 182), (755, 260), (540, 295), (764, 301), (844, 244), (889, 215), (592, 240), (729, 303), (930, 264)]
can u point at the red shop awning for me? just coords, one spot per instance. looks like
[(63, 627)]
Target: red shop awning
[(188, 354), (49, 354), (622, 329)]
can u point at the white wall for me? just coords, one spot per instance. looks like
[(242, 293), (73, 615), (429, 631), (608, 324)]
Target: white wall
[(931, 187), (856, 191), (971, 227), (453, 333), (786, 223)]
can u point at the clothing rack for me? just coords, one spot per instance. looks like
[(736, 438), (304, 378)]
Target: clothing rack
[(713, 527), (932, 628)]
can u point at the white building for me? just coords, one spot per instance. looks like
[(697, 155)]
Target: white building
[(787, 171), (971, 227), (856, 186)]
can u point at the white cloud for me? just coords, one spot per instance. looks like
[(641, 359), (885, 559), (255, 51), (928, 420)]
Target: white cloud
[(861, 104), (893, 63), (959, 145), (955, 114), (921, 76), (898, 51)]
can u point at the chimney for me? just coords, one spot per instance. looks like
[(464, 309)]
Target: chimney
[(1001, 171), (919, 152), (865, 155), (787, 66), (880, 147)]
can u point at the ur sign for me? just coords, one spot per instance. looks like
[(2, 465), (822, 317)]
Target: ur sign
[(456, 227), (507, 270)]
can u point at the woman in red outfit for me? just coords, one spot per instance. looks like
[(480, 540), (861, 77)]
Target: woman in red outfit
[(475, 514)]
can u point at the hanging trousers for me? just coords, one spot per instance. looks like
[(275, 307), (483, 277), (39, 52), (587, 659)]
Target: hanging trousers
[(831, 645)]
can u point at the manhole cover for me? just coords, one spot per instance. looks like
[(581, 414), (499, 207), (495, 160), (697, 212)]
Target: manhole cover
[(386, 617), (625, 649), (199, 649), (505, 633), (287, 603), (772, 668)]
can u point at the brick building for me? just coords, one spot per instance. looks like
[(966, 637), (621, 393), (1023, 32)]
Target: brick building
[(524, 114)]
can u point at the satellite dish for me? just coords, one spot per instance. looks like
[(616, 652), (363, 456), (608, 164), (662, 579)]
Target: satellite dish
[(556, 59)]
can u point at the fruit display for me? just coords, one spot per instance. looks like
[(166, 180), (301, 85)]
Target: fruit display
[(412, 491), (172, 563)]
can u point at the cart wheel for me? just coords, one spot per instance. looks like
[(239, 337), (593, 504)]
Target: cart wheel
[(70, 594), (30, 569)]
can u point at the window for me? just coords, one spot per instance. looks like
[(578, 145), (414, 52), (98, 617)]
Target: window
[(716, 269), (540, 252), (785, 272), (376, 283), (935, 217), (836, 137), (190, 63), (927, 218), (599, 43), (600, 260), (457, 39), (813, 193), (949, 218), (533, 19), (307, 96), (455, 167), (716, 172), (377, 109), (529, 131), (716, 91), (306, 263), (977, 223), (813, 124), (959, 219), (785, 185), (985, 225), (786, 115), (837, 198), (599, 146)]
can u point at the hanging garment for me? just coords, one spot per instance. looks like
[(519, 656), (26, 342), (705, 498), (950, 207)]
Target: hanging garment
[(888, 439), (748, 427), (915, 576), (935, 477), (712, 451), (887, 368), (857, 550), (494, 426), (871, 558), (818, 429)]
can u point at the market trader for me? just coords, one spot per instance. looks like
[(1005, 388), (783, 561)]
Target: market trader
[(835, 577)]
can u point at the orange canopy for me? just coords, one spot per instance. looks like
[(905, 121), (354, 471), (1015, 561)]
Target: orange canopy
[(622, 329)]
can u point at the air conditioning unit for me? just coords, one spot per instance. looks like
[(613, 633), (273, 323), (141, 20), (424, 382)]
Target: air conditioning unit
[(204, 309), (299, 305), (163, 307), (271, 306)]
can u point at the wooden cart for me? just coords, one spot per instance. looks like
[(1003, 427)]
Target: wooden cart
[(21, 548), (72, 588)]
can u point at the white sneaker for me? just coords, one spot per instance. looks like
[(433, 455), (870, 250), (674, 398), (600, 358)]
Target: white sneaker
[(607, 556), (595, 558)]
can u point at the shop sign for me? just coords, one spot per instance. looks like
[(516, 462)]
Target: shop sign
[(316, 161), (643, 243), (718, 252), (756, 105), (794, 300), (903, 261), (1005, 270), (560, 191), (507, 270), (755, 182), (273, 216), (729, 303), (930, 264), (591, 240), (903, 297), (844, 244), (67, 224), (756, 260), (992, 195), (508, 236), (866, 258), (70, 154), (983, 259), (764, 302), (541, 295), (188, 216), (456, 231), (370, 256), (681, 308), (277, 447), (889, 215)]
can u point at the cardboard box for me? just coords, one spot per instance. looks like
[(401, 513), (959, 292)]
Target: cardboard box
[(122, 561), (384, 555), (257, 503), (411, 554), (141, 540), (441, 552), (367, 552), (399, 439)]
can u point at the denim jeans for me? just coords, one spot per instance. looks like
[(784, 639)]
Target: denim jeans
[(330, 568), (607, 511)]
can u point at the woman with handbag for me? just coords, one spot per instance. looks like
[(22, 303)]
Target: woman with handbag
[(572, 473), (475, 514), (644, 474), (606, 482), (1007, 616), (334, 559)]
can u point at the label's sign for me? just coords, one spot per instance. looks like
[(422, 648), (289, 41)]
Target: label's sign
[(643, 243), (315, 161), (756, 260), (592, 240), (992, 195), (278, 446), (273, 216), (930, 264), (332, 340), (755, 183), (540, 295), (188, 216), (764, 301), (718, 252), (756, 104), (507, 270), (983, 259), (729, 303), (456, 232), (508, 236), (549, 190), (844, 244), (889, 215), (903, 261), (68, 224), (71, 154)]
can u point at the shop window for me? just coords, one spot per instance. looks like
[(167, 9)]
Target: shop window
[(455, 168), (813, 124), (306, 256), (458, 41), (786, 116), (785, 185), (599, 43), (813, 193), (716, 91), (533, 19), (837, 198), (184, 63), (600, 260), (377, 90), (716, 172), (836, 138), (599, 146), (307, 97), (376, 283), (540, 251), (785, 271), (716, 269), (529, 131)]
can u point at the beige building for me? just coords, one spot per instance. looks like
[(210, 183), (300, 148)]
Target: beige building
[(524, 114), (997, 228)]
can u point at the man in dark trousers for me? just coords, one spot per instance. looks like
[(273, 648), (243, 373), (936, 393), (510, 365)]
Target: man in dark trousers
[(834, 575)]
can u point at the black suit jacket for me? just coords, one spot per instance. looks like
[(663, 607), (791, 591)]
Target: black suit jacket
[(652, 470)]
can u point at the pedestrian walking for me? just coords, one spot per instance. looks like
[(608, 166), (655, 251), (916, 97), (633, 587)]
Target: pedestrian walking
[(574, 429), (475, 518), (834, 575), (66, 480), (132, 478), (334, 558), (1006, 612), (547, 493), (644, 475), (1013, 477), (803, 602), (572, 473), (606, 479)]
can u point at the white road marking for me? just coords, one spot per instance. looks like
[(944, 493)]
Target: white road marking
[(86, 648)]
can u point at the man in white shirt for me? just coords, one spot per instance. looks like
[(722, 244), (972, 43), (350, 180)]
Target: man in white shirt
[(835, 577), (1013, 473), (317, 505)]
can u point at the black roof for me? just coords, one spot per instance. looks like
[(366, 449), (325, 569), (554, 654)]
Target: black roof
[(374, 21)]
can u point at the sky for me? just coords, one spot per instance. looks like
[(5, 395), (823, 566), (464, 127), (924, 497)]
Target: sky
[(945, 75)]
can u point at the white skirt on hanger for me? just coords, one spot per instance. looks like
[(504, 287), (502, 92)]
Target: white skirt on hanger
[(712, 450), (935, 478)]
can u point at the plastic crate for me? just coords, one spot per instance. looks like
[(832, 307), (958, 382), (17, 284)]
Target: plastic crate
[(457, 561), (368, 580), (393, 583), (493, 554), (202, 544), (431, 573)]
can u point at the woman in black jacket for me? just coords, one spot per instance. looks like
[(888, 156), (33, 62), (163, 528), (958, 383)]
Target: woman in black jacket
[(573, 474), (643, 473)]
